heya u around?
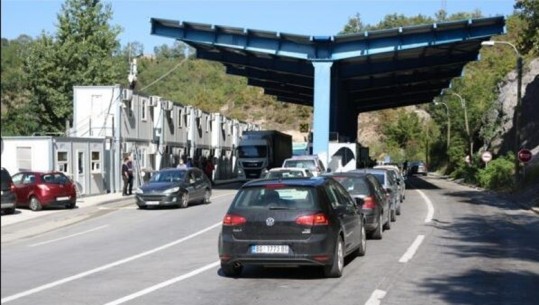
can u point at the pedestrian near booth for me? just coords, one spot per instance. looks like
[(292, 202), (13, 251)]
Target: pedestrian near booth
[(181, 164), (208, 169), (131, 176), (125, 175)]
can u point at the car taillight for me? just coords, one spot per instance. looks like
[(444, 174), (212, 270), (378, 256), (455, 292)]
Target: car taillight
[(319, 219), (12, 186), (368, 203), (233, 220)]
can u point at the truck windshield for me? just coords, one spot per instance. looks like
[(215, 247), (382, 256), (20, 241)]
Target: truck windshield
[(257, 151)]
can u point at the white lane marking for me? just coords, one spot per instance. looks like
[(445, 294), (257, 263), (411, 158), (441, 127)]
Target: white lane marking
[(412, 249), (430, 207), (376, 297), (65, 237), (105, 267), (163, 284)]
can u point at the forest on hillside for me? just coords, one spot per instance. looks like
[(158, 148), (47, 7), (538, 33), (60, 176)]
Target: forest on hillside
[(38, 75)]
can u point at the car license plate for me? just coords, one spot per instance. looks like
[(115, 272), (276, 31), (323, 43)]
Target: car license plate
[(152, 202), (269, 249), (62, 198)]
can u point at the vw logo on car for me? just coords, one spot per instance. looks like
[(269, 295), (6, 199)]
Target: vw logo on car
[(270, 221)]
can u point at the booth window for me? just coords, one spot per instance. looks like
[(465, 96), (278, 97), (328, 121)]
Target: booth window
[(62, 161), (96, 161)]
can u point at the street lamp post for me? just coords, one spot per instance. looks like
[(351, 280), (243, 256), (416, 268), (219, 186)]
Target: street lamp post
[(448, 122), (463, 104), (518, 105)]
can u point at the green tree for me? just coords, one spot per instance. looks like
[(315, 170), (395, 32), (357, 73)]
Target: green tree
[(14, 94), (83, 52), (528, 12)]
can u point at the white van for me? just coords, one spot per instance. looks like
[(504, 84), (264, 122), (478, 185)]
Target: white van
[(311, 162)]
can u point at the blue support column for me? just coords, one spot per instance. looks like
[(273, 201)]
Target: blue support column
[(322, 100)]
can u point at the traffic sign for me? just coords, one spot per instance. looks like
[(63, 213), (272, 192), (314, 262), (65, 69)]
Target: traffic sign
[(486, 156), (524, 155)]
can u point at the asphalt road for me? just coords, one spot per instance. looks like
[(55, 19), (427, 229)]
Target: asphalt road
[(451, 245)]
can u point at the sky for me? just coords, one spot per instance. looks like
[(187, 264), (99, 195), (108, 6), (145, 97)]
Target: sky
[(303, 17)]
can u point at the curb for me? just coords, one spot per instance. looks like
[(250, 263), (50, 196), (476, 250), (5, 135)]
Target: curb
[(117, 200)]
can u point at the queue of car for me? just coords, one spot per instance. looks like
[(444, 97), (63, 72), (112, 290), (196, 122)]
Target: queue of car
[(292, 217), (285, 220)]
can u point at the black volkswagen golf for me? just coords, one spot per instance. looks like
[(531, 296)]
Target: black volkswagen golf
[(291, 222)]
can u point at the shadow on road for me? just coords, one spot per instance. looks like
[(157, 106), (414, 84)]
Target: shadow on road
[(417, 183), (495, 233), (482, 287)]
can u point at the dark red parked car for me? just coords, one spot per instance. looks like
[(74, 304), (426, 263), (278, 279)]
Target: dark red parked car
[(37, 190)]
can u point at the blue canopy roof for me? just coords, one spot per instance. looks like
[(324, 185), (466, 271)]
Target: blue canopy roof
[(371, 70)]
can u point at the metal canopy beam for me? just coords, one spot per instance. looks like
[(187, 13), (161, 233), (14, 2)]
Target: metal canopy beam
[(364, 71)]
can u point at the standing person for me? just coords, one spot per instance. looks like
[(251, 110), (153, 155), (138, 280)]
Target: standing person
[(131, 176), (189, 162), (181, 164), (125, 175), (208, 169)]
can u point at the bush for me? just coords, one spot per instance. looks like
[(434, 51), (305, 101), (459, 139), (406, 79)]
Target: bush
[(499, 174), (466, 172)]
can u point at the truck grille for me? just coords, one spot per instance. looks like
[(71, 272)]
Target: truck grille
[(251, 164)]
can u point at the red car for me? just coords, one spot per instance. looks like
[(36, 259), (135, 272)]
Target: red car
[(37, 190)]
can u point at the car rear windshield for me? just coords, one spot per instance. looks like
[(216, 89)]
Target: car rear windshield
[(354, 185), (310, 164), (285, 174), (55, 178), (268, 197)]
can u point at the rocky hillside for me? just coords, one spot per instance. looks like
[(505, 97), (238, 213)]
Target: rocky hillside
[(529, 115)]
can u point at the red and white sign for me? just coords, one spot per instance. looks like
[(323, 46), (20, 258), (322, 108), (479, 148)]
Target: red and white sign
[(486, 156), (524, 155)]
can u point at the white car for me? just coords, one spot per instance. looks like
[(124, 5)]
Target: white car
[(310, 162), (400, 179), (288, 172)]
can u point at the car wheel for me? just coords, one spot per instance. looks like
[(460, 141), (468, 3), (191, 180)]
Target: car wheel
[(337, 265), (35, 205), (377, 233), (387, 225), (70, 205), (362, 242), (398, 209), (184, 201), (231, 270), (143, 207), (393, 215), (207, 196)]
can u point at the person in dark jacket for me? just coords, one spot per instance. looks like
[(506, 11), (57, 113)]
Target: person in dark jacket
[(208, 168), (125, 175)]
